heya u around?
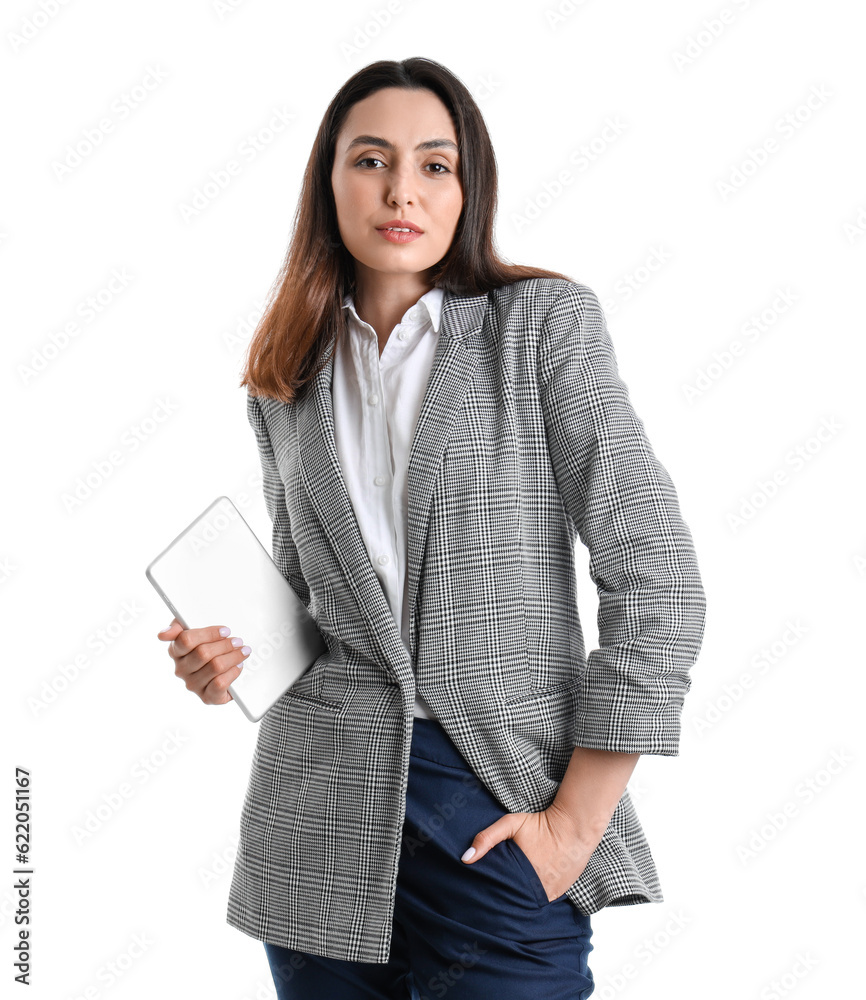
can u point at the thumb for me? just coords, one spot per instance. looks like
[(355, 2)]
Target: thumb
[(164, 633), (506, 826)]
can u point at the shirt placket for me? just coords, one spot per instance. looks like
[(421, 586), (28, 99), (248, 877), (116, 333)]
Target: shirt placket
[(379, 481)]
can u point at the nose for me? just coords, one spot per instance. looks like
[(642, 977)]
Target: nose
[(401, 188)]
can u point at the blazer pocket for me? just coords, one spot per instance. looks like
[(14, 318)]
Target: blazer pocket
[(557, 691), (310, 686)]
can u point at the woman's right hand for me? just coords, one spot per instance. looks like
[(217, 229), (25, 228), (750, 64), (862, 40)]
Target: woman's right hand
[(206, 660)]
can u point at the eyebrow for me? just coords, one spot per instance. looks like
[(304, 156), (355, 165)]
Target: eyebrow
[(374, 140)]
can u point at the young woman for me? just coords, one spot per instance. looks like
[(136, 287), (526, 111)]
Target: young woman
[(440, 801)]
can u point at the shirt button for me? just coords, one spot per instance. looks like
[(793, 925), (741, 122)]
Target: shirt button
[(379, 480), (373, 399), (402, 335), (382, 560)]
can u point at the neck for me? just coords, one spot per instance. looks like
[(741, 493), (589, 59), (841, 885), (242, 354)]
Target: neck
[(382, 299)]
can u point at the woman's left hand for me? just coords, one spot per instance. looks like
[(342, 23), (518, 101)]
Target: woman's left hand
[(555, 849)]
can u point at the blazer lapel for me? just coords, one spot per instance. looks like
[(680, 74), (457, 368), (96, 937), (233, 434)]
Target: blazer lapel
[(450, 377), (323, 478)]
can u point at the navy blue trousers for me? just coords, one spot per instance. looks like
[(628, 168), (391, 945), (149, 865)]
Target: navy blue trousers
[(484, 931)]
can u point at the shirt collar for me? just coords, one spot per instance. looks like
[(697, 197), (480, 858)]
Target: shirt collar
[(431, 302)]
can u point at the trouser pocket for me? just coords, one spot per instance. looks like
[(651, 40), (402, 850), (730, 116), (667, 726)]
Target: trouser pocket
[(530, 875)]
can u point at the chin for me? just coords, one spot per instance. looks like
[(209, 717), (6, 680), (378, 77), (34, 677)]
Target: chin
[(392, 264)]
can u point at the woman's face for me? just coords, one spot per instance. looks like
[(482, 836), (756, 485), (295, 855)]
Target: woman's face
[(396, 158)]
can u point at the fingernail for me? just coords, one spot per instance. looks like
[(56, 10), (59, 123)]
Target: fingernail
[(469, 855), (246, 650), (225, 630), (237, 642)]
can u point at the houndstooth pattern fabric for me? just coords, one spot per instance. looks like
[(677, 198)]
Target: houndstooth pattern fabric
[(526, 443)]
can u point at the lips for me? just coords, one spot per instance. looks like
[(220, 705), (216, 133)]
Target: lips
[(400, 224)]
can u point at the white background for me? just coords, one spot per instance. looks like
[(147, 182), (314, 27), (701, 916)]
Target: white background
[(754, 907)]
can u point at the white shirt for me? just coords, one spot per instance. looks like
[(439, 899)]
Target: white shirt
[(376, 403)]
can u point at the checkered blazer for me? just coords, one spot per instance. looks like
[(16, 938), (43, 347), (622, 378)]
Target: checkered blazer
[(526, 441)]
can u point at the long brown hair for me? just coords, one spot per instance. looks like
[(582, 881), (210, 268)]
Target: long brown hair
[(305, 301)]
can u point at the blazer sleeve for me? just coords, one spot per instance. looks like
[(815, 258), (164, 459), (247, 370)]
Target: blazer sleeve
[(285, 553), (625, 508)]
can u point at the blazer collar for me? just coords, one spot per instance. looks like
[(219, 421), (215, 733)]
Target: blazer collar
[(454, 362)]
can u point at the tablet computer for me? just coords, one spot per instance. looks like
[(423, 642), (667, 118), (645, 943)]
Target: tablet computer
[(217, 572)]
